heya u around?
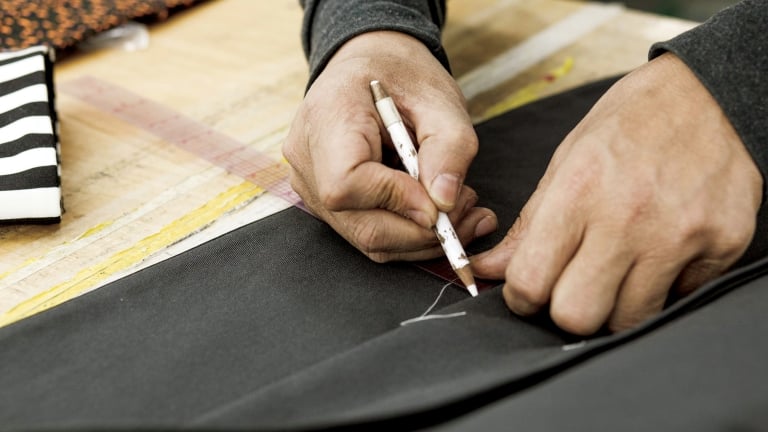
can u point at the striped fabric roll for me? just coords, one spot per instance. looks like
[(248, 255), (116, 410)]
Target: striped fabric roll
[(29, 152)]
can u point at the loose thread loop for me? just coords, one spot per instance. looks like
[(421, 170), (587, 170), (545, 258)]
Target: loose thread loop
[(425, 316)]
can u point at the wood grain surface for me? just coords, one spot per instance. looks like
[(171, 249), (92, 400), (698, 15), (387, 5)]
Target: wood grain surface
[(236, 66)]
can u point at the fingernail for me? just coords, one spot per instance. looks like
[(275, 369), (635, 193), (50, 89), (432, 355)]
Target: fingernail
[(486, 226), (420, 217), (444, 189)]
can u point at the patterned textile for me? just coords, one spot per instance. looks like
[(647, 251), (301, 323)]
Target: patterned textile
[(29, 168), (63, 23)]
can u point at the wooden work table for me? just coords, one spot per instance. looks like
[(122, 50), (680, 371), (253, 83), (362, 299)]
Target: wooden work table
[(133, 199)]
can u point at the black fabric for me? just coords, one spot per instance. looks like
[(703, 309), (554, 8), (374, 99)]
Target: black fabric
[(706, 371), (283, 325)]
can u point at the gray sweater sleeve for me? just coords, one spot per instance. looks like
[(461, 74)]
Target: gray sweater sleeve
[(329, 23), (729, 54)]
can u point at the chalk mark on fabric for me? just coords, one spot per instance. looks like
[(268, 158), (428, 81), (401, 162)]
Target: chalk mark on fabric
[(573, 346), (425, 316)]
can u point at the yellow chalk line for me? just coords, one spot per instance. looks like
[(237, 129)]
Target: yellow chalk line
[(529, 93), (95, 230), (29, 261), (173, 232), (98, 232)]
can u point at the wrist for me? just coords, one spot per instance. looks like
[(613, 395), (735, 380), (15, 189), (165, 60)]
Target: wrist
[(380, 44), (688, 102)]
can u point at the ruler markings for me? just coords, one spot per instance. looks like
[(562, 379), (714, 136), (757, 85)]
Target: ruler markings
[(186, 133), (217, 148)]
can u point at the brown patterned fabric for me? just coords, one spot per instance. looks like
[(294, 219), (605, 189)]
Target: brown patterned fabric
[(63, 23)]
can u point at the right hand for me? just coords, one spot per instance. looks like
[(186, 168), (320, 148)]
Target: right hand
[(337, 145)]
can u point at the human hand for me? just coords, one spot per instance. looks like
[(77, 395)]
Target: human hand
[(653, 191), (337, 145)]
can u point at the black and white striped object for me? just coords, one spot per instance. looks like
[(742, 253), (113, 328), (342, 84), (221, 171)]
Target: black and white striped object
[(30, 189)]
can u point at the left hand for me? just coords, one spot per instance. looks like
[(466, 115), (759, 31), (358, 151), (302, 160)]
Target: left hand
[(652, 191)]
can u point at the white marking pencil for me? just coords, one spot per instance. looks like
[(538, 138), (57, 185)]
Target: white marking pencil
[(407, 152)]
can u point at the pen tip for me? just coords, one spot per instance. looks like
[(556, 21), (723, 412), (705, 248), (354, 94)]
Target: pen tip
[(465, 274)]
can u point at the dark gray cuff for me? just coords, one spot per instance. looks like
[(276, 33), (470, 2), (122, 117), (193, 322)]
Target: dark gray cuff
[(328, 24), (729, 55)]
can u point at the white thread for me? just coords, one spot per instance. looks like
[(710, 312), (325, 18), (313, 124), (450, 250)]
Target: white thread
[(425, 316), (431, 317)]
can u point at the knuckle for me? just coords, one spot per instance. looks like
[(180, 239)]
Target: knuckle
[(339, 192), (734, 240), (730, 249), (702, 231), (574, 320), (332, 196), (464, 141), (692, 225), (368, 237), (527, 286), (468, 138)]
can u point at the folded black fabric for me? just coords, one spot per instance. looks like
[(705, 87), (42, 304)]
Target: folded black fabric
[(29, 149), (281, 325), (704, 371)]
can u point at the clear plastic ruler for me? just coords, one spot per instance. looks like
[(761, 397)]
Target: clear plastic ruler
[(186, 133), (199, 139)]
